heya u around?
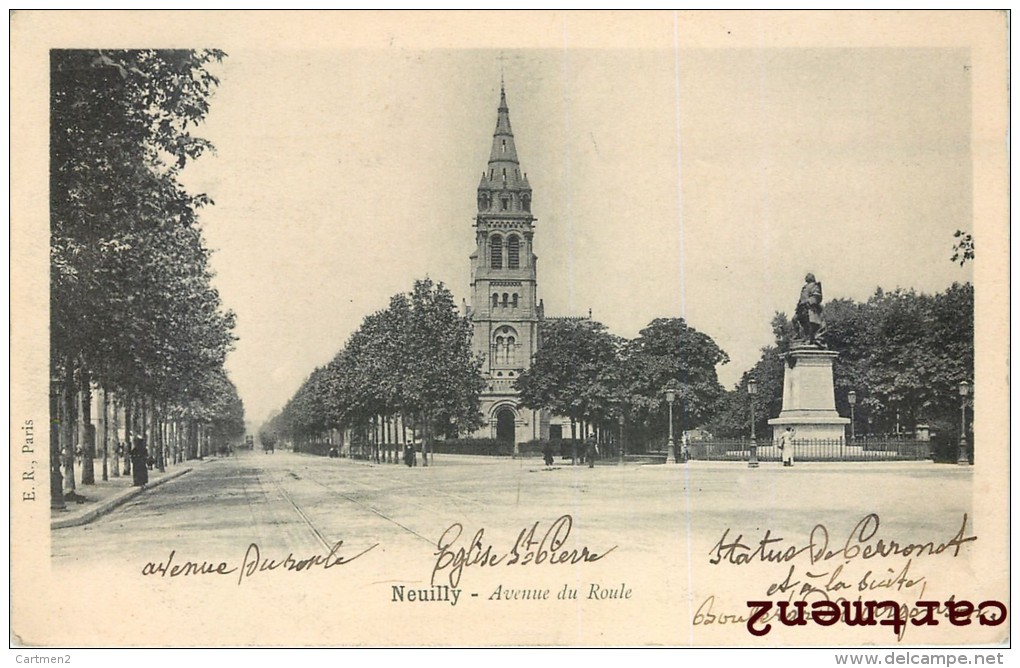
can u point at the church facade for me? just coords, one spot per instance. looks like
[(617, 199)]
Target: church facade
[(504, 307)]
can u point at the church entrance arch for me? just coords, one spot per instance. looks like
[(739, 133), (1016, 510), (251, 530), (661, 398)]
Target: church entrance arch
[(505, 428)]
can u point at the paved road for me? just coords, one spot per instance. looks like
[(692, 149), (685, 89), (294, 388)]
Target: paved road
[(304, 503), (663, 522)]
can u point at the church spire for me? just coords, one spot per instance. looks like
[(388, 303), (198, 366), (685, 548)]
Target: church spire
[(503, 148), (503, 186)]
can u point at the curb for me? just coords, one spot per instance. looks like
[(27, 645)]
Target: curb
[(112, 502)]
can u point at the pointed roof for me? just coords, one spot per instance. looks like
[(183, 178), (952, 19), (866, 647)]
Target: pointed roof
[(503, 158)]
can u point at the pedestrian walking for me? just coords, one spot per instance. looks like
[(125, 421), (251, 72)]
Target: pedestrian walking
[(139, 459), (547, 453), (590, 447), (786, 446)]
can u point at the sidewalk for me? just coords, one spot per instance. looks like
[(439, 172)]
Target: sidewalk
[(92, 501)]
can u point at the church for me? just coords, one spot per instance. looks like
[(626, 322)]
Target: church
[(504, 308)]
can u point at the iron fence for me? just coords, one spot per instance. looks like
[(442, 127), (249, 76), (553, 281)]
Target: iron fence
[(879, 450)]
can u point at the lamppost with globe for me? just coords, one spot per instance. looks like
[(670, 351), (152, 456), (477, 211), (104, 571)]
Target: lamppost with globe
[(670, 393), (852, 398), (963, 459), (752, 389)]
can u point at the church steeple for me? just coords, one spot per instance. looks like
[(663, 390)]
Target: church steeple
[(504, 287), (504, 188), (503, 149)]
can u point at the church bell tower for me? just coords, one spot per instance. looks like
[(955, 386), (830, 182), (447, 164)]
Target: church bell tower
[(504, 307)]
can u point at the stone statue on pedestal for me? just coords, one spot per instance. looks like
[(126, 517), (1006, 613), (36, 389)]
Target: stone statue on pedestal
[(809, 402), (808, 322)]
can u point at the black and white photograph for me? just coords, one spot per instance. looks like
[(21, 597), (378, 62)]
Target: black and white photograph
[(509, 329)]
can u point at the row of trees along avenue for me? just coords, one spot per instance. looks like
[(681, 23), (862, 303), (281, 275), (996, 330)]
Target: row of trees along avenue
[(133, 314), (408, 365), (903, 353), (411, 365)]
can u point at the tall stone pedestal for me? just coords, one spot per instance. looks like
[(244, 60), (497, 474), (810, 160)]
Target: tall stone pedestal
[(809, 398)]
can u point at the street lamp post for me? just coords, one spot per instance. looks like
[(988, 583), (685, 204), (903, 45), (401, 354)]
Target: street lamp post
[(670, 446), (752, 461), (852, 398), (963, 459)]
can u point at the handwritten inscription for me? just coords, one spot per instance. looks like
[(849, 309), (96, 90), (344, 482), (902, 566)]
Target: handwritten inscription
[(251, 564), (532, 547), (862, 543), (850, 581)]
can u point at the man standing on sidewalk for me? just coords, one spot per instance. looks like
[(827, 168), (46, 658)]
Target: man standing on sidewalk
[(786, 446)]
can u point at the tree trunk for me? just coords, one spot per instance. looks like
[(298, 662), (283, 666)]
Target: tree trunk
[(426, 434), (88, 432), (573, 442), (394, 446), (116, 435), (171, 431), (56, 482), (157, 434), (143, 405), (104, 418), (128, 434), (67, 424)]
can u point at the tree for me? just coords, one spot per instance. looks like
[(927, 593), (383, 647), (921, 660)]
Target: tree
[(441, 381), (413, 359), (573, 372), (963, 249), (668, 349), (733, 419), (132, 307)]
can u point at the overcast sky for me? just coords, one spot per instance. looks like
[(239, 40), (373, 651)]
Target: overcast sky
[(701, 183)]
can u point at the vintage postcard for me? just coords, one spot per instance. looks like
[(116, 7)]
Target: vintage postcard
[(510, 329)]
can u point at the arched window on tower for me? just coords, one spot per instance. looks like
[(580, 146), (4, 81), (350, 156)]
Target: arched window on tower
[(506, 300), (526, 203), (513, 300), (504, 347), (495, 300), (513, 251), (504, 202), (496, 252), (504, 146), (499, 350)]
